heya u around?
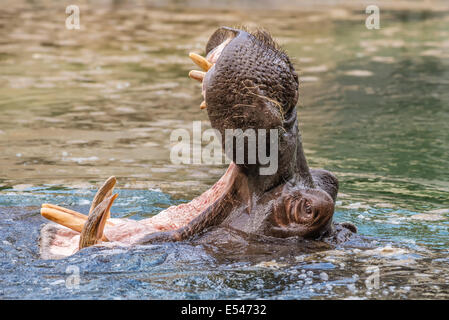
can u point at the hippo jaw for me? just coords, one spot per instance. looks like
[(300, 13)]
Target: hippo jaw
[(215, 46), (249, 83)]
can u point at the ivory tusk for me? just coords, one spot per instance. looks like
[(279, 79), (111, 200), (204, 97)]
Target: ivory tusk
[(92, 231), (66, 219), (104, 191), (73, 213), (200, 61), (197, 75)]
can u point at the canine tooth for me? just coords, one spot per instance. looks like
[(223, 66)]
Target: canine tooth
[(104, 192), (203, 105), (92, 232), (200, 61), (197, 75)]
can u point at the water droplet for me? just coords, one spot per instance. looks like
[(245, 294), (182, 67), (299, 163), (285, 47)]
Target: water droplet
[(324, 276)]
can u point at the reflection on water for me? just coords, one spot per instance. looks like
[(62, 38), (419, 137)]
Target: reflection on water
[(79, 106)]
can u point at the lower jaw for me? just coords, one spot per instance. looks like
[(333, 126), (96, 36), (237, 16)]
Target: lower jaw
[(172, 218), (178, 216), (122, 230)]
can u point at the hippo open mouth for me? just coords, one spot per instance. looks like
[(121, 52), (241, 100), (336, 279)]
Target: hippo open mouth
[(248, 83)]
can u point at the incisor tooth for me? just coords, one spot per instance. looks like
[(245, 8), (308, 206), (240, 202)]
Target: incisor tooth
[(66, 219), (197, 75), (200, 61), (203, 105), (57, 209)]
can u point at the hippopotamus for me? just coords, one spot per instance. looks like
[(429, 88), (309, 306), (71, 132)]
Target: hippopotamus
[(248, 82)]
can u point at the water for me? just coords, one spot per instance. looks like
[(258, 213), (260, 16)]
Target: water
[(79, 106)]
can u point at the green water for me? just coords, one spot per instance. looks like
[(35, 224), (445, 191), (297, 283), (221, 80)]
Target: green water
[(77, 106)]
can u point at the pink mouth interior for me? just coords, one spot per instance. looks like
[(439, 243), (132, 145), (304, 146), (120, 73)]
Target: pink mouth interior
[(59, 241), (176, 217), (64, 242)]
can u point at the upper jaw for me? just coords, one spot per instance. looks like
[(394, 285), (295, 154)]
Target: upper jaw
[(207, 65)]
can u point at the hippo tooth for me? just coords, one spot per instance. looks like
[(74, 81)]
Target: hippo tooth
[(52, 212), (102, 193), (203, 105), (78, 221), (197, 75), (92, 232), (200, 61), (63, 218)]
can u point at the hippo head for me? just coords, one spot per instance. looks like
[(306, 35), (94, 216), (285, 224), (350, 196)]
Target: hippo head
[(250, 83), (250, 86)]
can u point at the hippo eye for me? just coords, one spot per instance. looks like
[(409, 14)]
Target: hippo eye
[(308, 207)]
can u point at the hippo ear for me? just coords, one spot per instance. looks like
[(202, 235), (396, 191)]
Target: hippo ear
[(350, 226), (326, 181)]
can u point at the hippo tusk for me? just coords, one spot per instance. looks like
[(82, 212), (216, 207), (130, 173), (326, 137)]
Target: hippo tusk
[(64, 218), (68, 216), (104, 191), (203, 105), (65, 210), (197, 75), (200, 61), (92, 232), (75, 220)]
